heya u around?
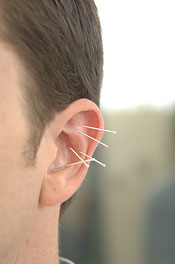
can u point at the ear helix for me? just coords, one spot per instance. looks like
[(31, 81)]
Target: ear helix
[(87, 156)]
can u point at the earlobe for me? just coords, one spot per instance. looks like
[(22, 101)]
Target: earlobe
[(59, 185)]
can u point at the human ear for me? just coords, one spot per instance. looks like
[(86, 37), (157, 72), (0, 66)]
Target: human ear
[(61, 183)]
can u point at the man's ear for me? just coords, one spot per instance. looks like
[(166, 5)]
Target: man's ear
[(59, 185)]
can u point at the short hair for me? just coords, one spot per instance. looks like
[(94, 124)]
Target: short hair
[(59, 45)]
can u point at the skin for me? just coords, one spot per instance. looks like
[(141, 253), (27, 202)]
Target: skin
[(30, 198)]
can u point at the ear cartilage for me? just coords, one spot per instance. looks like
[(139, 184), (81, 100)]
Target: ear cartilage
[(93, 139), (79, 157), (105, 130), (102, 164)]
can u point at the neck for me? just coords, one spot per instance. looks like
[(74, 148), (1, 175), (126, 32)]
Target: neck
[(40, 245)]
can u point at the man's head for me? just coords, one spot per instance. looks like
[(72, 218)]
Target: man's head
[(51, 63)]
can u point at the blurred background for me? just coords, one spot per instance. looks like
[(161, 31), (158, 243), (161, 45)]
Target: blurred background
[(125, 213)]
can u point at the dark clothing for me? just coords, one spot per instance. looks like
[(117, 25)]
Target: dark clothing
[(65, 261)]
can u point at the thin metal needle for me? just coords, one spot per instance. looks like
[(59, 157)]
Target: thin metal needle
[(93, 139), (104, 165), (95, 128), (71, 164), (105, 130), (79, 157), (79, 162)]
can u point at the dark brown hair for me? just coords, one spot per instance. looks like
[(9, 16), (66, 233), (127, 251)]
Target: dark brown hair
[(59, 45)]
